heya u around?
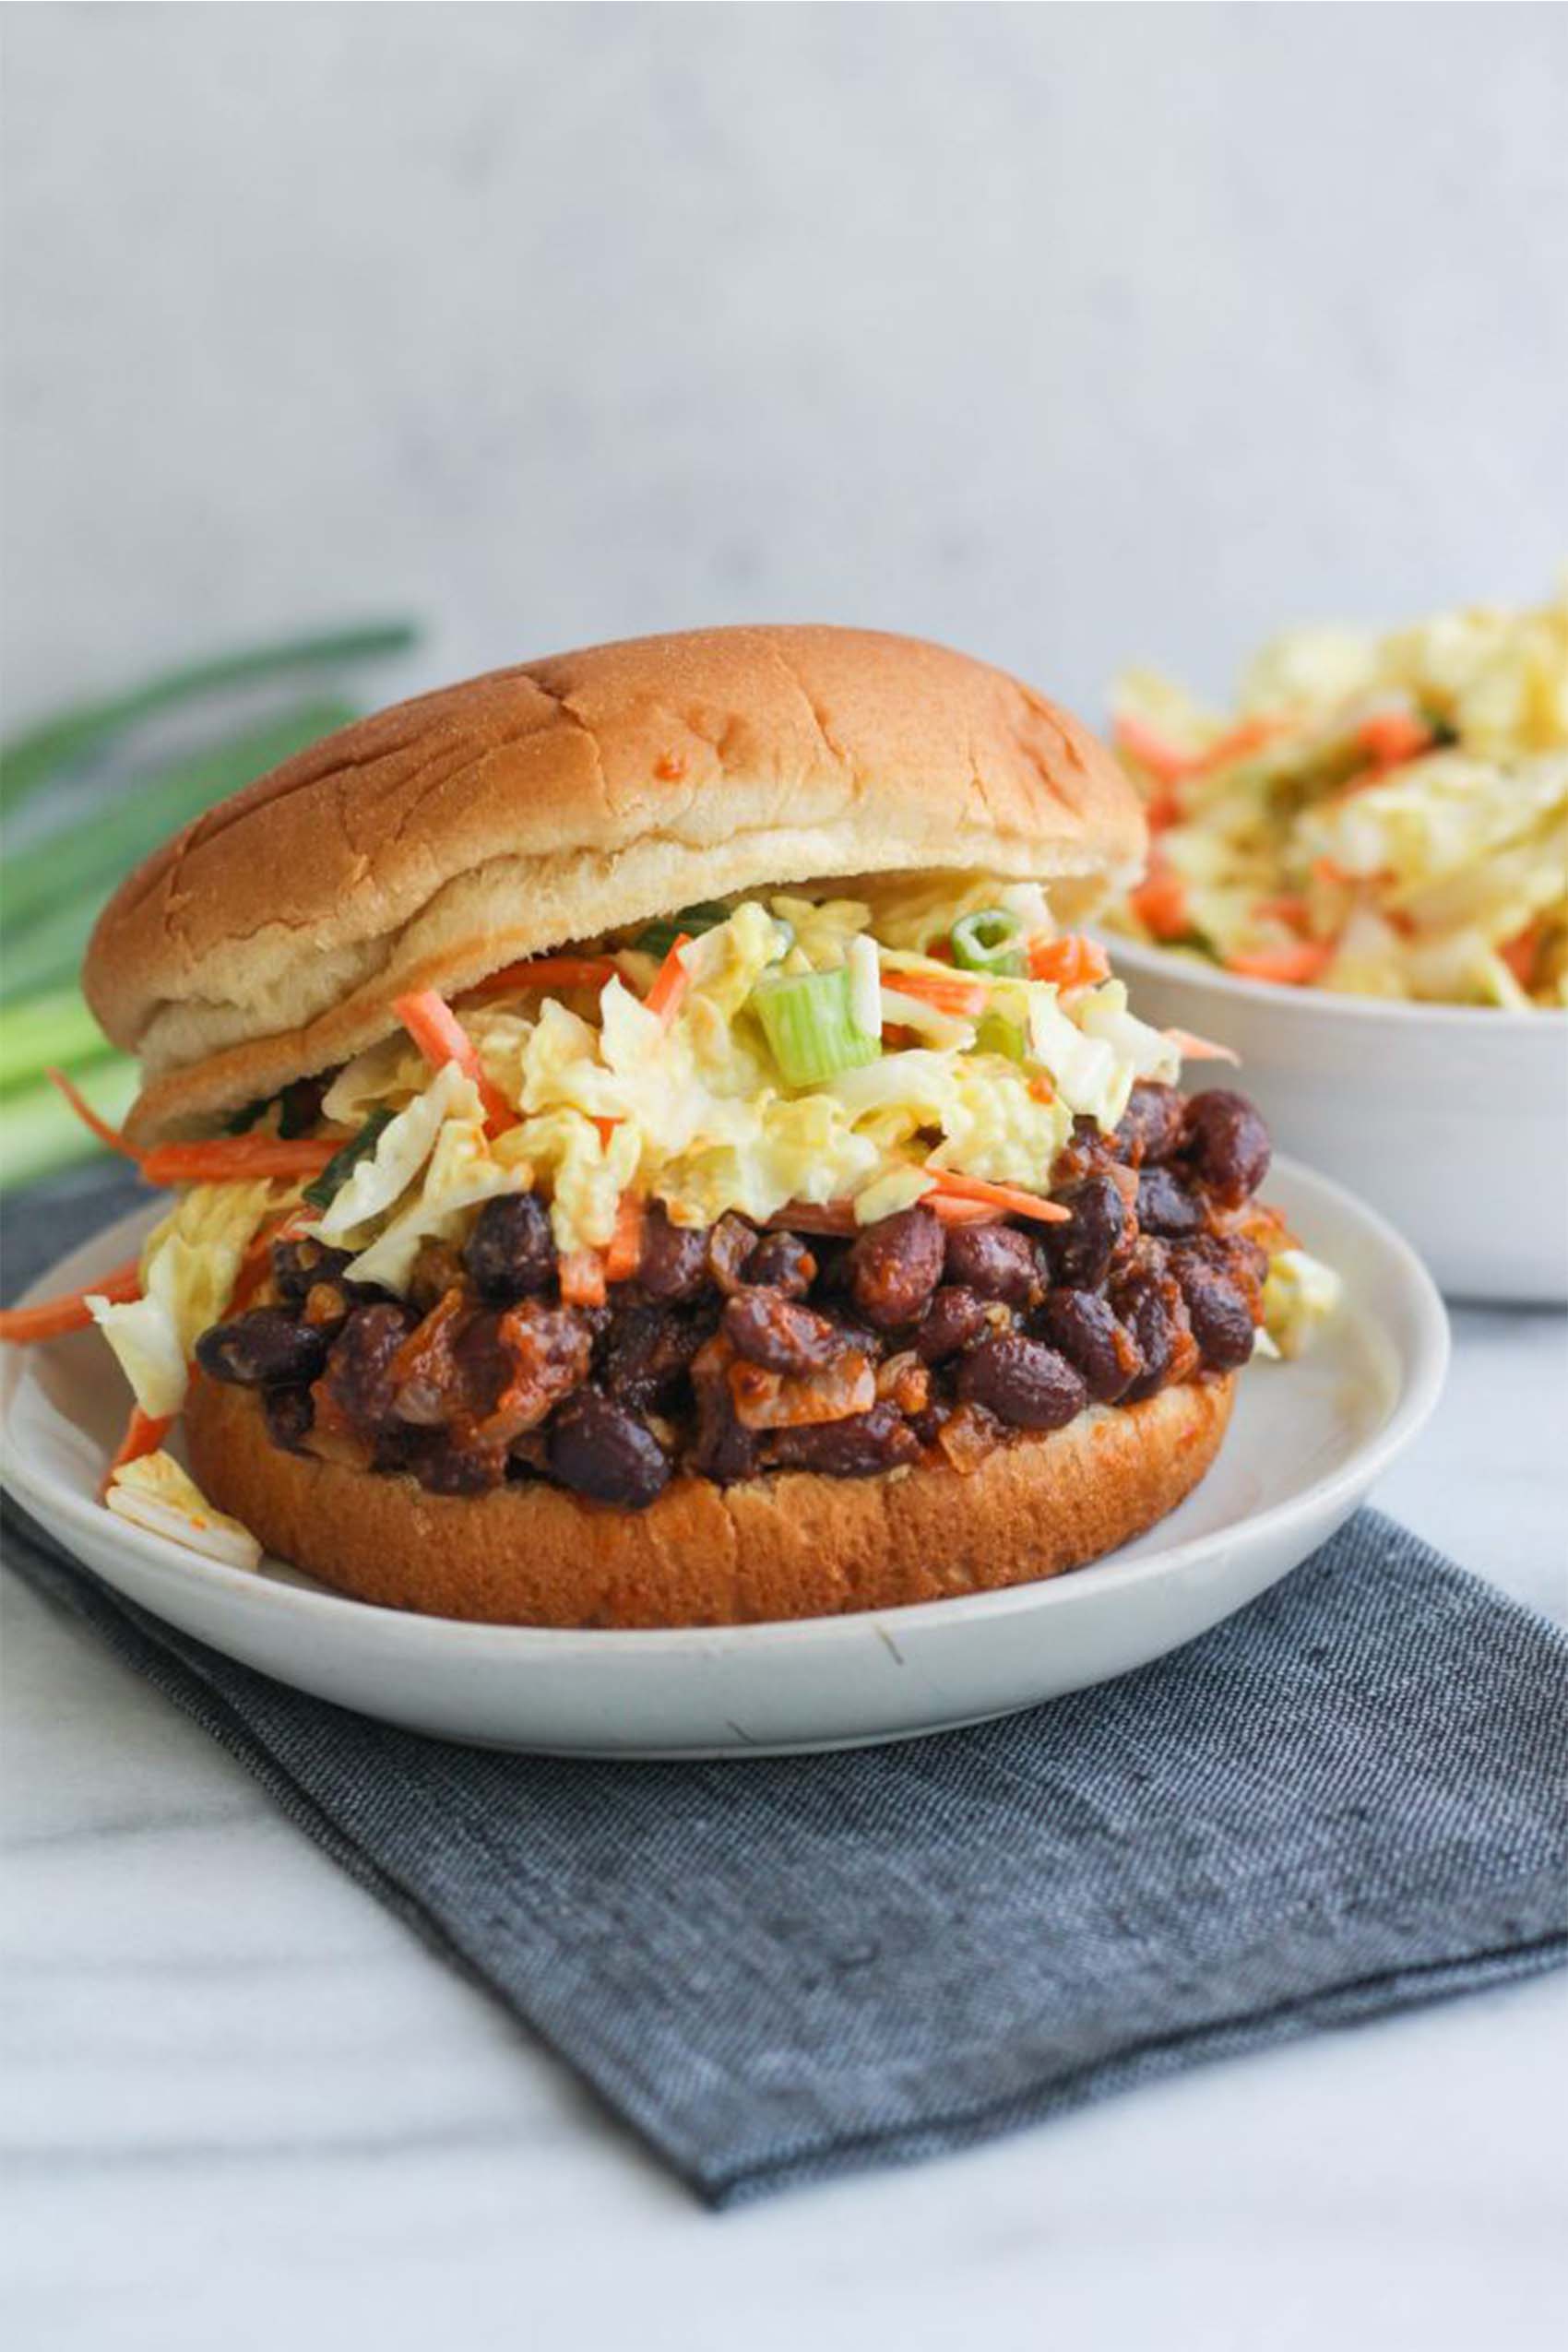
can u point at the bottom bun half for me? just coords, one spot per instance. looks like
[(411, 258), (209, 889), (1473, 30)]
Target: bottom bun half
[(792, 1545)]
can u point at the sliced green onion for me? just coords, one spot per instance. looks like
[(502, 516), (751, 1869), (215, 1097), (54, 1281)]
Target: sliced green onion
[(988, 941), (994, 1035), (658, 938), (323, 1191), (810, 1027), (49, 951)]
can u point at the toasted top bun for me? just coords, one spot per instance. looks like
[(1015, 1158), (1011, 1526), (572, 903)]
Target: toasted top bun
[(429, 845)]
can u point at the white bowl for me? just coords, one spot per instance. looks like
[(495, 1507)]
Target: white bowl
[(1309, 1439), (1451, 1118)]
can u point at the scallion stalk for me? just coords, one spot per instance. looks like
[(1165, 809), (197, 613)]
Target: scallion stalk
[(808, 1023), (988, 941), (40, 1133), (44, 1031), (993, 1035)]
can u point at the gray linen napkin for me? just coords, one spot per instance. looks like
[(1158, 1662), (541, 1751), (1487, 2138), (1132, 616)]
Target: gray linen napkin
[(1350, 1798)]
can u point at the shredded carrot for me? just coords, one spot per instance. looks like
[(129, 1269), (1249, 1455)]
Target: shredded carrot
[(1162, 759), (582, 1277), (625, 1251), (546, 971), (1328, 872), (1520, 952), (89, 1116), (145, 1432), (897, 1038), (1293, 967), (1164, 808), (1071, 962), (1041, 1088), (228, 1159), (1289, 908), (965, 999), (670, 982), (1193, 1047), (1249, 736), (1391, 737), (441, 1038), (948, 1210), (1008, 1198), (1161, 904), (53, 1317)]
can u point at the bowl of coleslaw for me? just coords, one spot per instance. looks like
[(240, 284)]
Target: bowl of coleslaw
[(1358, 880)]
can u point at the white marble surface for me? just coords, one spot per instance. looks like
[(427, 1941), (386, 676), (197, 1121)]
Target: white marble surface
[(243, 2107)]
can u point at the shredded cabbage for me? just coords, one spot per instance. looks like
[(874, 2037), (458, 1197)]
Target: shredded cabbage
[(1389, 818)]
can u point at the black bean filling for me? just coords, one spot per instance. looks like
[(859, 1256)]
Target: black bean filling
[(736, 1352)]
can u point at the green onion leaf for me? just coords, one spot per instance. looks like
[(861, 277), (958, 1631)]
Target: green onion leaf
[(325, 1189), (41, 1133), (988, 942), (31, 759), (41, 1032), (658, 938), (810, 1027)]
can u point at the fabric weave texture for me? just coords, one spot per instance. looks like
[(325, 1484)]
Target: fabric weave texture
[(1351, 1797)]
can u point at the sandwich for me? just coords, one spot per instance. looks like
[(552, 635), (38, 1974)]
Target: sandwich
[(649, 1146)]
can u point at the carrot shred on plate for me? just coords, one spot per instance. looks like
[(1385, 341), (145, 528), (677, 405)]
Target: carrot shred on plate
[(1521, 952), (1165, 761), (441, 1038), (52, 1318), (1193, 1047)]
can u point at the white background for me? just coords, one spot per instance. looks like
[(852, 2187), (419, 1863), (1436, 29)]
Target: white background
[(1069, 334)]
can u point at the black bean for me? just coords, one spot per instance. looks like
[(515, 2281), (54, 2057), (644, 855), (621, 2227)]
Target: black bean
[(299, 1264), (895, 1265), (269, 1348), (1081, 1252), (289, 1413), (674, 1257), (1152, 1307), (782, 1262), (645, 1354), (511, 1251), (1022, 1382), (769, 1330), (358, 1378), (1228, 1144), (997, 1261), (1083, 1326), (1152, 1125), (1217, 1309), (1167, 1208), (859, 1447), (599, 1449), (955, 1319)]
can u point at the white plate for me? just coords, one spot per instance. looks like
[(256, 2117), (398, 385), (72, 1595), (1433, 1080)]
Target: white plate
[(1451, 1118), (1307, 1442)]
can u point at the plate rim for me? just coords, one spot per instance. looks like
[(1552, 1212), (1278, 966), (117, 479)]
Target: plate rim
[(1424, 1365)]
